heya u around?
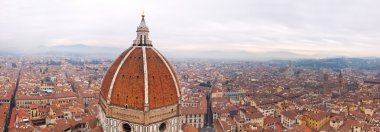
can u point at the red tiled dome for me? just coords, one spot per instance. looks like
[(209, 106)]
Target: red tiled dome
[(140, 77)]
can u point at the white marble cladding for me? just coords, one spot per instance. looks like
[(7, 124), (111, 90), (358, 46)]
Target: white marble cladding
[(173, 124)]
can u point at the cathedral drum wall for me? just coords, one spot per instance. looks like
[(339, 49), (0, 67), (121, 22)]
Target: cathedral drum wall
[(161, 114)]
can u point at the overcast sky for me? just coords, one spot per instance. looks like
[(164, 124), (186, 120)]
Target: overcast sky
[(309, 27)]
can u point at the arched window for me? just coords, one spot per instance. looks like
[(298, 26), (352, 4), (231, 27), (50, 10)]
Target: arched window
[(162, 127), (127, 127)]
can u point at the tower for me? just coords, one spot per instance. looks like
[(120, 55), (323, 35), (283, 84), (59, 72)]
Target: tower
[(325, 82), (140, 91), (341, 83), (290, 69)]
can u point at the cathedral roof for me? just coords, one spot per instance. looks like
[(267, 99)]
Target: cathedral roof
[(141, 78)]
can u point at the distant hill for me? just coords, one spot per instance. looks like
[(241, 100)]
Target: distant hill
[(369, 63), (85, 50), (5, 53), (78, 50), (240, 55)]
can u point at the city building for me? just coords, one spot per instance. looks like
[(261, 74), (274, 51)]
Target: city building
[(316, 120), (194, 110), (289, 118)]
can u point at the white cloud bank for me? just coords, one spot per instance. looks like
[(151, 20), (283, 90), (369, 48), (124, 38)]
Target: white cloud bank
[(309, 27)]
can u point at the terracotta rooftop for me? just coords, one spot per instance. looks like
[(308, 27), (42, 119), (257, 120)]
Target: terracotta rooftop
[(316, 116), (189, 128), (291, 114)]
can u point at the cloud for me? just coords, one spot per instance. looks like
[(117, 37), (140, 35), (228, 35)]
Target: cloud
[(306, 27)]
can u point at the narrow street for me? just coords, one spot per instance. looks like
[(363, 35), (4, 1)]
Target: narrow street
[(12, 103), (209, 116)]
